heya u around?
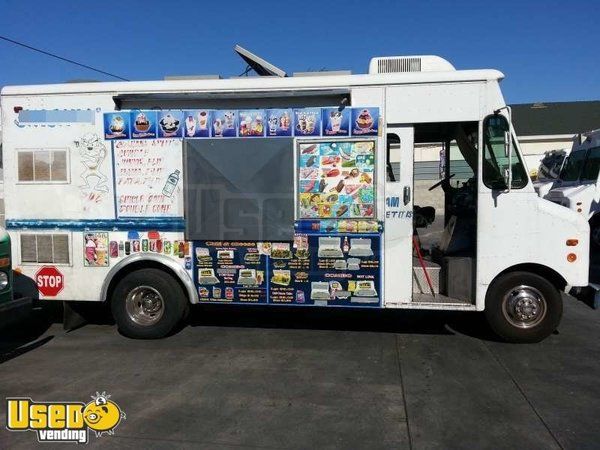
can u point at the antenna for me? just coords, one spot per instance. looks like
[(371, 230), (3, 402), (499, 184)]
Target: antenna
[(260, 66)]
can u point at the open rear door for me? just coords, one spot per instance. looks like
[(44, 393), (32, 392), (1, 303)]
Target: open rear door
[(398, 224)]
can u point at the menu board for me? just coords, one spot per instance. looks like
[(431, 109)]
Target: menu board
[(336, 180), (326, 270), (148, 178), (314, 269), (230, 271)]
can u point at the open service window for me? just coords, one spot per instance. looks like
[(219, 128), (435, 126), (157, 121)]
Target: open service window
[(239, 189)]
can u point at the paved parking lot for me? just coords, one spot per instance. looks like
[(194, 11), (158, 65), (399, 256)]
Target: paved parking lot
[(304, 378)]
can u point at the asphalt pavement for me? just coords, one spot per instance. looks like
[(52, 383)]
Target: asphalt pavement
[(314, 378)]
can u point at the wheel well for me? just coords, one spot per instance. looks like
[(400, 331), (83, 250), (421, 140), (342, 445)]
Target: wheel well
[(147, 264), (549, 274)]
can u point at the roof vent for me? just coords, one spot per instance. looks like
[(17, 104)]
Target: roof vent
[(401, 64)]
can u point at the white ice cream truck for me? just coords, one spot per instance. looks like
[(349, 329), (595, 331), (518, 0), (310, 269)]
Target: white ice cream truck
[(282, 190), (577, 186)]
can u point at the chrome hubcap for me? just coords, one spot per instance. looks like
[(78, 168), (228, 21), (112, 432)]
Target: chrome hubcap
[(524, 306), (144, 305)]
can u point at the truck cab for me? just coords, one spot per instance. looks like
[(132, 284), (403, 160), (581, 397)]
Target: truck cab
[(577, 187)]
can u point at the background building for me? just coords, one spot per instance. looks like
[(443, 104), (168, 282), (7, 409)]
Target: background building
[(552, 126), (540, 127)]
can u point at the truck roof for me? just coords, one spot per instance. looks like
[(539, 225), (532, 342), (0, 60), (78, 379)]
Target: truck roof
[(256, 84)]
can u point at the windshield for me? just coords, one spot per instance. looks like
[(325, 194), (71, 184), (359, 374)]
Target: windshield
[(572, 168), (496, 163), (591, 166)]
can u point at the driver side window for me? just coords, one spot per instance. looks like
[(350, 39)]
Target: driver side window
[(496, 161)]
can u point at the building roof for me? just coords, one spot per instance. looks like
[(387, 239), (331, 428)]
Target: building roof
[(544, 119)]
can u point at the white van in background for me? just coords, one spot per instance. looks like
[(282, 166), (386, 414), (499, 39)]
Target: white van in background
[(577, 187)]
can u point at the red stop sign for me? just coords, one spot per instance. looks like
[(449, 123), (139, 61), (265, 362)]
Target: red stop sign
[(49, 281)]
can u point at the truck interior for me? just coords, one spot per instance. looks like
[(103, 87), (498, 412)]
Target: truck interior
[(444, 260), (444, 271)]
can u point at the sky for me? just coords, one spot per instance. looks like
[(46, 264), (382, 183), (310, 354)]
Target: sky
[(546, 49)]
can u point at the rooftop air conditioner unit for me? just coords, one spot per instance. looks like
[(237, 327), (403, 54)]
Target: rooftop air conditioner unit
[(401, 64)]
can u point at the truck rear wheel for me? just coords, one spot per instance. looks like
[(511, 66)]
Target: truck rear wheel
[(523, 307), (148, 304)]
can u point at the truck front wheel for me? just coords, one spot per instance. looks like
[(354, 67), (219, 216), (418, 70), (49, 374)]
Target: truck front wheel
[(523, 307), (148, 304)]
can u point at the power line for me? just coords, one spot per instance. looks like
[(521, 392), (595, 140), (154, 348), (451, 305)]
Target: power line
[(4, 38)]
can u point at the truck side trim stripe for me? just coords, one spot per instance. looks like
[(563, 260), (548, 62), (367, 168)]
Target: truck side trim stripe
[(131, 224)]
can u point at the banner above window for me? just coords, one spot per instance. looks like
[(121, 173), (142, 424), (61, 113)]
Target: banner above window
[(206, 123)]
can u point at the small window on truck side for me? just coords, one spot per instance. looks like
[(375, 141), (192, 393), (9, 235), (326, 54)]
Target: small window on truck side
[(42, 166), (45, 248), (495, 160)]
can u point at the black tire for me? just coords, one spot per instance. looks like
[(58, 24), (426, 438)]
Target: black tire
[(535, 304), (135, 300)]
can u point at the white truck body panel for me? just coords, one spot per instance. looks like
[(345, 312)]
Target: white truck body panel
[(510, 224)]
